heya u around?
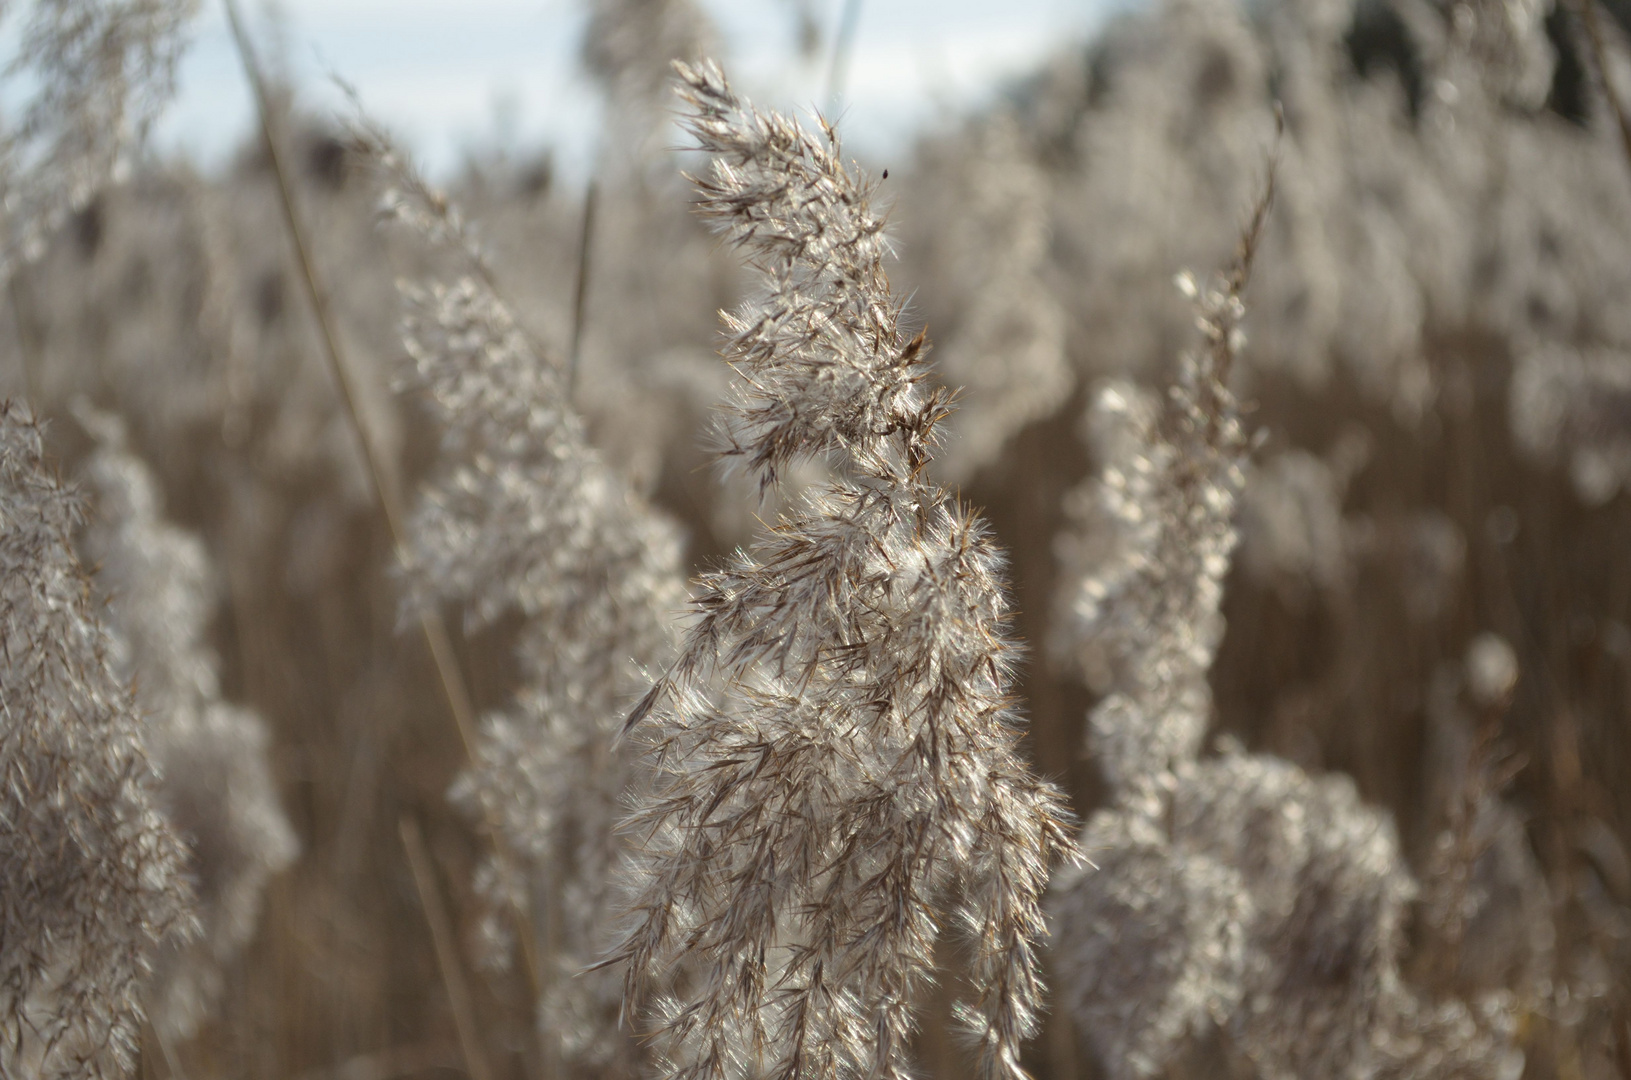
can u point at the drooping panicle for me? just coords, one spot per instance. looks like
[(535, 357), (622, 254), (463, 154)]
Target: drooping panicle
[(216, 785), (93, 873), (92, 74), (523, 515), (1155, 532), (1235, 891), (836, 754), (1155, 535), (1154, 945), (824, 368)]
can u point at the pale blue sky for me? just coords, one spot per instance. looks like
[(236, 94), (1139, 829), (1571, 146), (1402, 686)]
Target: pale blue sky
[(446, 74)]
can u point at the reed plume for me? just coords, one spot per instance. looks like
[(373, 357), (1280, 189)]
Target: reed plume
[(95, 876), (521, 515), (216, 786), (1237, 892), (836, 749), (94, 74)]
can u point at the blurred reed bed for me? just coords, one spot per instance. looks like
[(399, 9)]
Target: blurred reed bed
[(1304, 585)]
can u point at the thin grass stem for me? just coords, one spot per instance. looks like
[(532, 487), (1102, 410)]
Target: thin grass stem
[(580, 293), (447, 953), (843, 47)]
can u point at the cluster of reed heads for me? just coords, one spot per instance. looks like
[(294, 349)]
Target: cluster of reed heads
[(1136, 589)]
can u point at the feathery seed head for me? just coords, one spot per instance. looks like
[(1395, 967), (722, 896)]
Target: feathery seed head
[(94, 874), (215, 783), (836, 754), (822, 365), (95, 73), (522, 514), (1271, 902)]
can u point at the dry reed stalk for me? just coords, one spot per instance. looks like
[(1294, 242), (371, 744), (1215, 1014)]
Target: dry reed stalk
[(447, 951), (580, 291)]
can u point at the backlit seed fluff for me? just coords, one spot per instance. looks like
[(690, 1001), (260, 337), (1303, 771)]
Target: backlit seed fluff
[(1152, 540), (94, 875), (522, 515), (92, 75), (1234, 891), (836, 755)]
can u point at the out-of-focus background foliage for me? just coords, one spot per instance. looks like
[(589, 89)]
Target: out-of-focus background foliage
[(1437, 369)]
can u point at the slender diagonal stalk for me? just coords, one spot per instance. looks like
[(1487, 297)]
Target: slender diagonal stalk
[(1587, 10), (172, 1063), (843, 46), (447, 952), (580, 294)]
